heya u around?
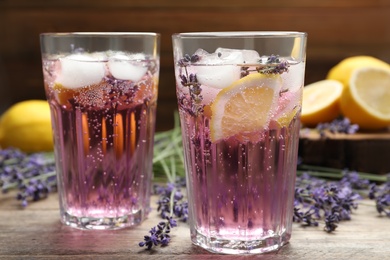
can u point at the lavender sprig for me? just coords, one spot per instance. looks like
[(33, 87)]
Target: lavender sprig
[(32, 175), (159, 235), (273, 65), (193, 103), (171, 204), (381, 195), (171, 200), (268, 65)]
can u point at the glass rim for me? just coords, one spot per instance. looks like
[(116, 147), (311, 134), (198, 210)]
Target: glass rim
[(240, 34), (98, 34)]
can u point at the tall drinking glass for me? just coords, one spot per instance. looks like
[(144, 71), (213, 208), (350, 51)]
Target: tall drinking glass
[(102, 91), (239, 98)]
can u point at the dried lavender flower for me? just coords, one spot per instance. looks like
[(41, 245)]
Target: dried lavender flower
[(381, 195), (33, 175), (273, 65), (170, 205), (192, 103), (331, 201), (338, 125), (171, 201), (159, 235)]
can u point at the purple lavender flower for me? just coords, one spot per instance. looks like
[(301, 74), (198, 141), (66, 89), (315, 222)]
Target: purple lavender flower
[(179, 207), (331, 201), (381, 195), (33, 175), (353, 179), (159, 235), (172, 208), (272, 65), (331, 221), (305, 217), (339, 125), (193, 102)]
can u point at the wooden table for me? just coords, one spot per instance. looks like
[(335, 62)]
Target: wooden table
[(36, 233)]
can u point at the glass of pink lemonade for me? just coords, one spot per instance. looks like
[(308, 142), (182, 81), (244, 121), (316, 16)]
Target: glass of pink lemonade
[(239, 97), (102, 91)]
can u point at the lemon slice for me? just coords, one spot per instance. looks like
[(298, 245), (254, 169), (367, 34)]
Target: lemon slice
[(285, 119), (365, 101), (320, 102), (245, 107), (289, 106), (63, 95)]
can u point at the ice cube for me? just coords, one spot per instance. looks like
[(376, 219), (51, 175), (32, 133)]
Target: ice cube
[(209, 95), (125, 67), (246, 56), (218, 76), (294, 79), (218, 69), (79, 70)]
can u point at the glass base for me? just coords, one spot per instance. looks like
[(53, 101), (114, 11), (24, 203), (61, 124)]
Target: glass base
[(240, 247), (105, 223)]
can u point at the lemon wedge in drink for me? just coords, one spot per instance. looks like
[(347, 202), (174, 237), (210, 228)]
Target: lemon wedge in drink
[(245, 107), (285, 119), (63, 95), (365, 100), (320, 102)]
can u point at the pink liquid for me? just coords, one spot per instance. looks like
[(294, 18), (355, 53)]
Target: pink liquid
[(103, 137), (240, 192)]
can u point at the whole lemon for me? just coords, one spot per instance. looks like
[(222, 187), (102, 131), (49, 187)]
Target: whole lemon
[(27, 125), (344, 69)]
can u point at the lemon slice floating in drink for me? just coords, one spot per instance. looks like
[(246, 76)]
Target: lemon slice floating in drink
[(245, 107)]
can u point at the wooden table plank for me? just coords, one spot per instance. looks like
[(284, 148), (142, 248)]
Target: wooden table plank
[(36, 233)]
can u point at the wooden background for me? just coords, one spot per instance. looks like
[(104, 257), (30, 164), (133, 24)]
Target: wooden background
[(336, 29)]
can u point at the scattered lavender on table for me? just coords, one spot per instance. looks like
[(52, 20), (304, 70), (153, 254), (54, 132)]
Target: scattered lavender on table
[(33, 175), (333, 201), (316, 199)]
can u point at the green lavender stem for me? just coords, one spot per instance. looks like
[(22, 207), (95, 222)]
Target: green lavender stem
[(168, 161), (42, 176), (325, 172)]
